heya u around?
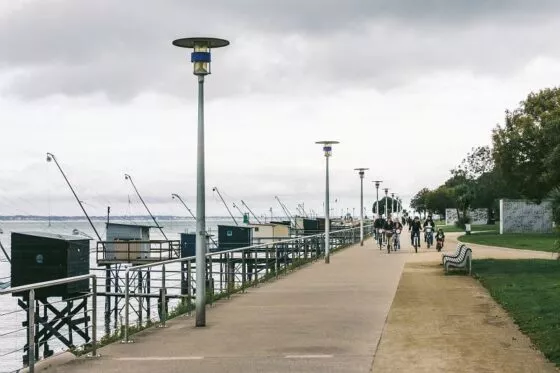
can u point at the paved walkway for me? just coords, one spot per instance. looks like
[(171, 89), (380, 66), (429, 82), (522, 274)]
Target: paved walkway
[(444, 323), (330, 318), (321, 318)]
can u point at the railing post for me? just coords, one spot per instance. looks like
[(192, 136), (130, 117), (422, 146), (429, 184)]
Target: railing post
[(163, 308), (267, 259), (243, 271), (94, 316), (31, 331), (276, 261), (126, 305)]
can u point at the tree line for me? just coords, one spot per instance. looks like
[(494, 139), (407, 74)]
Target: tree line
[(523, 162)]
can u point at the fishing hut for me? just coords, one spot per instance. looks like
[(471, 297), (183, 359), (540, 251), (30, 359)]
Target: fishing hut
[(61, 310), (129, 245), (269, 232)]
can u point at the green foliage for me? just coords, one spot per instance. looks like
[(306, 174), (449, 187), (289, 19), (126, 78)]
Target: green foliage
[(527, 148), (528, 291), (419, 201), (382, 205), (525, 241), (440, 199)]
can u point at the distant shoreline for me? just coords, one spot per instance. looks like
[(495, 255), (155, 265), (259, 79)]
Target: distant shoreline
[(98, 218)]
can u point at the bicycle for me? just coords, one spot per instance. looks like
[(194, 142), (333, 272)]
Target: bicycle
[(397, 240), (416, 240), (380, 238), (429, 236), (389, 235)]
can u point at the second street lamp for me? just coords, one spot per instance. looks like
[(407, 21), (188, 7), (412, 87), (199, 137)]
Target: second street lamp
[(377, 183), (386, 208), (327, 149), (361, 172), (200, 57)]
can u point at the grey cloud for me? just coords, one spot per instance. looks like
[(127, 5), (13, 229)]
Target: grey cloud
[(122, 49)]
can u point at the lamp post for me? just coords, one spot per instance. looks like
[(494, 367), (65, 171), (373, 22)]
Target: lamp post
[(392, 203), (327, 149), (377, 183), (361, 172), (200, 57), (386, 197)]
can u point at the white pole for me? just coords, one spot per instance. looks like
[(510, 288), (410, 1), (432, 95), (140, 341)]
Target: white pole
[(361, 208), (200, 214), (327, 218)]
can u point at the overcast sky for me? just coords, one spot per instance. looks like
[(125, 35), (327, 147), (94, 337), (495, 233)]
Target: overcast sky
[(408, 87)]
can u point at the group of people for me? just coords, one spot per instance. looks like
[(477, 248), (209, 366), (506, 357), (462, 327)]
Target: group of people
[(415, 226)]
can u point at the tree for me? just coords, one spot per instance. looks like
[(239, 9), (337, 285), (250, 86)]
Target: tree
[(478, 162), (527, 148), (440, 199), (419, 201), (382, 205)]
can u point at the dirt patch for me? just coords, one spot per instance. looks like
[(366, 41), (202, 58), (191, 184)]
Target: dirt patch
[(441, 323)]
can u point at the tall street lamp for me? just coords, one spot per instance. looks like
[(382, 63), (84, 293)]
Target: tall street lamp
[(200, 57), (327, 148), (392, 203), (361, 172), (377, 183), (386, 197)]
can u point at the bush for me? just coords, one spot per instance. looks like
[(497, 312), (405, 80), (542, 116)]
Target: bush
[(460, 223)]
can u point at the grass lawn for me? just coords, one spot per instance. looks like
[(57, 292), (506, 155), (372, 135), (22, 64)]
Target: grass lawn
[(474, 228), (527, 241), (529, 290)]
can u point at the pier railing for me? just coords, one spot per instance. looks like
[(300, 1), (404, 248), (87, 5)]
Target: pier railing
[(227, 272), (149, 294), (37, 329)]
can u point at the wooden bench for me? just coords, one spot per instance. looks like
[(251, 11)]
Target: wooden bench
[(455, 254), (463, 260)]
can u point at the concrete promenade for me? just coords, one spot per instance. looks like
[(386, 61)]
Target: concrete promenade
[(321, 318), (357, 314)]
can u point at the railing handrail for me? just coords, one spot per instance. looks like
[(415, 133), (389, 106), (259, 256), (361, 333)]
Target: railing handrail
[(136, 241), (179, 260), (44, 284), (31, 320)]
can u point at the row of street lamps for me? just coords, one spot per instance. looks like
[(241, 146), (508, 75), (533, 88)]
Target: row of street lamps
[(201, 59)]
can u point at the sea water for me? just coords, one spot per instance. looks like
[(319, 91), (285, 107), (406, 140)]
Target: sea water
[(12, 334)]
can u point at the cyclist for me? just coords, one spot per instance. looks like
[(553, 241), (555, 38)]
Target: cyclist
[(389, 231), (440, 239), (415, 227), (378, 225), (429, 223), (398, 229)]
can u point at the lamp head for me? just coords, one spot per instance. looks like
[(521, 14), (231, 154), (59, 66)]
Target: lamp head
[(126, 176), (201, 46), (327, 146), (361, 171), (49, 157)]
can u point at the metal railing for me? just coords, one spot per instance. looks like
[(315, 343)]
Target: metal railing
[(229, 271), (172, 286), (135, 251), (32, 319)]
